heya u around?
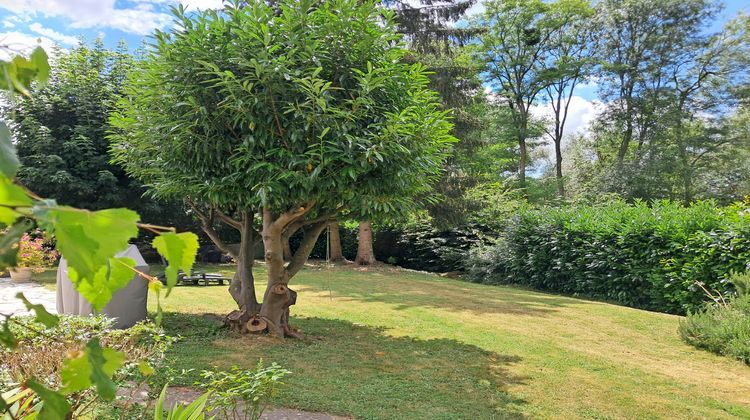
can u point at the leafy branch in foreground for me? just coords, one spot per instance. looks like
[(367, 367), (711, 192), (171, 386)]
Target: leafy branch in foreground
[(89, 240)]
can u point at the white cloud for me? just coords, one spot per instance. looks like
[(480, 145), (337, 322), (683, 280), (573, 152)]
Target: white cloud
[(7, 24), (580, 115), (14, 43), (140, 19), (53, 35)]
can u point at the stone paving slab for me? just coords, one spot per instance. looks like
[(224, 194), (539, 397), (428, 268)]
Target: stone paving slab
[(34, 292)]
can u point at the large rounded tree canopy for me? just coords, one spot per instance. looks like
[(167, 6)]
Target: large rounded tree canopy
[(277, 105), (295, 111)]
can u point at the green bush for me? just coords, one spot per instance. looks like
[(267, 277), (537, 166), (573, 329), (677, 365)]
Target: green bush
[(723, 327), (240, 393), (644, 256)]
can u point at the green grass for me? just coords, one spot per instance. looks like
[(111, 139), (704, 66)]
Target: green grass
[(394, 344)]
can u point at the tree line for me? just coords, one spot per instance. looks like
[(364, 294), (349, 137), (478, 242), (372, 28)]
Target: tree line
[(672, 121)]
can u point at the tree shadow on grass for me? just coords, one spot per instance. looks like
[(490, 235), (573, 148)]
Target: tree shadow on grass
[(357, 370), (408, 290)]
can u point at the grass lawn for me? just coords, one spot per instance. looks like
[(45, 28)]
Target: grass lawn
[(394, 344), (387, 343)]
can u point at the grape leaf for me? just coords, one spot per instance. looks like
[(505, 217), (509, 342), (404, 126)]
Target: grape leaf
[(11, 195), (8, 239), (44, 317), (39, 60), (54, 405), (109, 279), (179, 249), (8, 159), (93, 366), (88, 239)]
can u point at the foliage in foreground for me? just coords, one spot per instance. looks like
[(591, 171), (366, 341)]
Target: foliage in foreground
[(89, 241), (242, 394), (723, 327), (43, 352), (644, 256)]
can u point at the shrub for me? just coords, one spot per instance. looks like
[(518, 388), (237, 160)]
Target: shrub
[(240, 393), (722, 327), (639, 255), (41, 351)]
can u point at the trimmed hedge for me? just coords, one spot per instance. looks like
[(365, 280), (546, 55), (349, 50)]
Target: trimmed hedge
[(644, 256)]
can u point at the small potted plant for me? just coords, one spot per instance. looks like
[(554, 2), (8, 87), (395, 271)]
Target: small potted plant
[(33, 256)]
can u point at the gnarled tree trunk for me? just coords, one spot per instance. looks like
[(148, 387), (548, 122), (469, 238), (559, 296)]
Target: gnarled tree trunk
[(365, 253), (242, 287), (278, 297), (336, 252)]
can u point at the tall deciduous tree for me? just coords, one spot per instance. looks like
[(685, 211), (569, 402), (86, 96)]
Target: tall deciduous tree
[(570, 60), (515, 46), (285, 116)]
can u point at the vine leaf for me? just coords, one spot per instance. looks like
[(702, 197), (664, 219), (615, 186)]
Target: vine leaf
[(20, 72), (44, 317), (54, 405), (6, 337), (11, 196), (93, 366), (109, 279), (179, 249), (88, 239), (8, 240), (8, 159)]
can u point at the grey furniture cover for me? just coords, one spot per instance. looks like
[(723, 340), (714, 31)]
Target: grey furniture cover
[(128, 305)]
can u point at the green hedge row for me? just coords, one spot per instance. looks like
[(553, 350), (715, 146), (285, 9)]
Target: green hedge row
[(644, 256)]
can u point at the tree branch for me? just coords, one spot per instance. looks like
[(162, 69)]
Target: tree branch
[(207, 225), (227, 219), (303, 252)]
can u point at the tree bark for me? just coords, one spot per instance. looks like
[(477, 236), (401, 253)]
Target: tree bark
[(336, 252), (278, 296), (558, 169), (242, 287), (286, 247), (365, 253)]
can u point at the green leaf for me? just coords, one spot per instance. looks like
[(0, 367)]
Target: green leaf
[(11, 196), (40, 61), (94, 366), (179, 249), (6, 337), (54, 405), (8, 159), (3, 405), (8, 239), (44, 317), (88, 239), (109, 279), (145, 368)]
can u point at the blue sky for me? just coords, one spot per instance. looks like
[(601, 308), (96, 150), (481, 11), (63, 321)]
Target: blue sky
[(22, 22)]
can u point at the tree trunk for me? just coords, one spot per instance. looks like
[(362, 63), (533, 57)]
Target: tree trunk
[(336, 253), (558, 169), (242, 287), (286, 247), (365, 253), (279, 297), (522, 153)]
